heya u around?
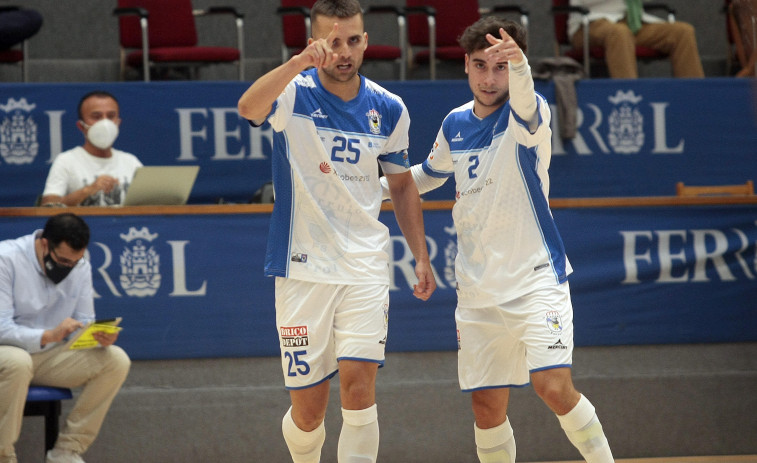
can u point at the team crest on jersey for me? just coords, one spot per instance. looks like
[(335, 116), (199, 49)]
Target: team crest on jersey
[(374, 121), (18, 132), (626, 123), (140, 266), (554, 322)]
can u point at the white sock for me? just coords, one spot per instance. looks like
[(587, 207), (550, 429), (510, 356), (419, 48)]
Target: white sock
[(495, 445), (359, 440), (305, 447), (584, 430)]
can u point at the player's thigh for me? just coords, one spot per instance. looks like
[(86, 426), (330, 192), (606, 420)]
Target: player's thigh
[(548, 332), (490, 351)]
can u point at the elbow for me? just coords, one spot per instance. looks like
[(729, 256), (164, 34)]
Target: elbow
[(244, 109), (252, 113)]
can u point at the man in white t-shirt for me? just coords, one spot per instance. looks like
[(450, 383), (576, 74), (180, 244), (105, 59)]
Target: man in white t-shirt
[(94, 174)]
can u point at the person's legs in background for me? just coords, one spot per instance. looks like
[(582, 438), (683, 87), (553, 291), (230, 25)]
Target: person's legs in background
[(677, 40), (618, 42)]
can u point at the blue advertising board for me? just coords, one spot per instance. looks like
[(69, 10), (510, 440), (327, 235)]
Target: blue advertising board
[(192, 286), (634, 137)]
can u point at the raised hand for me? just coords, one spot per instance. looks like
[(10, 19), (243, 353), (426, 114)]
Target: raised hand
[(319, 53), (505, 47)]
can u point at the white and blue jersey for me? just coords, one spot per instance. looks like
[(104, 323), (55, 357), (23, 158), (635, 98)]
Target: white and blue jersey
[(508, 244), (325, 225)]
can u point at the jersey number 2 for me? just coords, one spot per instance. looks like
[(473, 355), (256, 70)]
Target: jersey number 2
[(473, 166)]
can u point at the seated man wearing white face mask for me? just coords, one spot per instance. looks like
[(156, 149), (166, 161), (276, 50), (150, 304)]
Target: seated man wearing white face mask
[(94, 174)]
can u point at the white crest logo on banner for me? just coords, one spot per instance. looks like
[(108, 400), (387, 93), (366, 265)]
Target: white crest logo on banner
[(140, 266), (626, 123), (18, 132)]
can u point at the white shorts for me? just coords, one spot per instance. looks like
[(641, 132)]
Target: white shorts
[(501, 346), (320, 324)]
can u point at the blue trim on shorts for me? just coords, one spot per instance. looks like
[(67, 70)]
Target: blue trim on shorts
[(552, 367), (293, 388), (497, 387), (360, 359)]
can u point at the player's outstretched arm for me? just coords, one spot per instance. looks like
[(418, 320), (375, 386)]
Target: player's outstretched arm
[(257, 101), (522, 93)]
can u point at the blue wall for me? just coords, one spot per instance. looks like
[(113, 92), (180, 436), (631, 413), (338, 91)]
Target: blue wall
[(635, 138)]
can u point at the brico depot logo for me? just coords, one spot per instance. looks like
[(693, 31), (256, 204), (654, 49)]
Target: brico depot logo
[(294, 336)]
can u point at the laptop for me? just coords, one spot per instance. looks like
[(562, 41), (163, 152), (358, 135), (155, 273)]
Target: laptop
[(161, 185)]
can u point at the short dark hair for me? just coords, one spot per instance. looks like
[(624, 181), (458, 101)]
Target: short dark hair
[(335, 9), (474, 36), (97, 93), (68, 228)]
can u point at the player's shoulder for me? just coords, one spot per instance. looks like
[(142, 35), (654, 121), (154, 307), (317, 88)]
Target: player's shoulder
[(375, 90), (462, 112), (542, 99), (304, 82)]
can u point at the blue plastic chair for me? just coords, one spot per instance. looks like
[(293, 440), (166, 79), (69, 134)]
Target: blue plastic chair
[(46, 401)]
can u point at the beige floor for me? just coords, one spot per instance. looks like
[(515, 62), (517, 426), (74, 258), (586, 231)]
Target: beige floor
[(712, 459)]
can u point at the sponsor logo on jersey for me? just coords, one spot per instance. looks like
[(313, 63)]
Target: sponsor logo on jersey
[(374, 121), (457, 137), (558, 345), (318, 114), (554, 322), (325, 167), (299, 258), (294, 336)]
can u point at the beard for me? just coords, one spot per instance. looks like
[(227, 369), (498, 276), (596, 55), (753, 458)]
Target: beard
[(495, 101)]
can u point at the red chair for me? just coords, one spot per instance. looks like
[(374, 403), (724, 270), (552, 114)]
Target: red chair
[(296, 27), (561, 9), (162, 33), (16, 56), (434, 27)]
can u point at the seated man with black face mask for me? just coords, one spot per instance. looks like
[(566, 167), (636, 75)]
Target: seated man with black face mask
[(45, 295), (94, 174)]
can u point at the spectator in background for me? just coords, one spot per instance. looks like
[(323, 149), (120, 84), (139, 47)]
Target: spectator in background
[(17, 24), (45, 295), (620, 25), (94, 174)]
